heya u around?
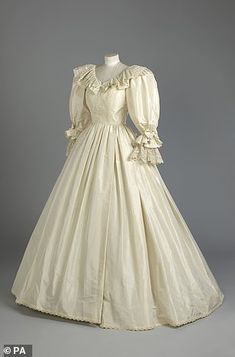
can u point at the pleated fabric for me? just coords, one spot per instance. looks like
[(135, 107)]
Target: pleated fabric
[(110, 246)]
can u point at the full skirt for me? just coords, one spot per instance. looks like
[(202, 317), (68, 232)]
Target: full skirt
[(111, 247)]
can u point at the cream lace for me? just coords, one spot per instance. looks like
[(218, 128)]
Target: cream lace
[(85, 75), (146, 147)]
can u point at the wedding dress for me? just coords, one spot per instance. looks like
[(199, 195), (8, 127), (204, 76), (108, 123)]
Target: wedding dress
[(110, 246)]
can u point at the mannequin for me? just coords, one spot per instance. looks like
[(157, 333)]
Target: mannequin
[(111, 68)]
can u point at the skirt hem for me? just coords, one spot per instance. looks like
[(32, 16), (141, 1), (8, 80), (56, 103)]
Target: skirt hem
[(106, 326)]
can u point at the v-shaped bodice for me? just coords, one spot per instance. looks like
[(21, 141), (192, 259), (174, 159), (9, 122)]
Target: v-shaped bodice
[(108, 107), (134, 91)]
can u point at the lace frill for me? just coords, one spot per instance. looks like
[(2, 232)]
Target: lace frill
[(146, 147), (71, 134), (85, 76)]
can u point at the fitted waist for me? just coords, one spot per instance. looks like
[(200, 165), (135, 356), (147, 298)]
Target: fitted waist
[(107, 121)]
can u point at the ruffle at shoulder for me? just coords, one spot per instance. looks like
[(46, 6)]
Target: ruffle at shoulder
[(85, 75)]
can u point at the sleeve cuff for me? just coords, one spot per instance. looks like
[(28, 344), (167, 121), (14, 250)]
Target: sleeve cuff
[(145, 148), (71, 134)]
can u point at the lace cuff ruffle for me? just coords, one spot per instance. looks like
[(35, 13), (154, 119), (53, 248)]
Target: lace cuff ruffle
[(72, 134), (146, 148)]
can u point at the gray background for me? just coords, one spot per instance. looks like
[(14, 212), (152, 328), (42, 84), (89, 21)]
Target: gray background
[(189, 45)]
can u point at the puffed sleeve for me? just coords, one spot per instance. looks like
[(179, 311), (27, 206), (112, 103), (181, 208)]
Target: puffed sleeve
[(78, 110), (143, 105)]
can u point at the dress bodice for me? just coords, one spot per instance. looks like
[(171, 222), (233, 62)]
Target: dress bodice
[(107, 106), (106, 100), (134, 91)]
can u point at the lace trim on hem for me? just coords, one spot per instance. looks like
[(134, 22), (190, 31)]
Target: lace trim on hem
[(106, 326), (31, 306)]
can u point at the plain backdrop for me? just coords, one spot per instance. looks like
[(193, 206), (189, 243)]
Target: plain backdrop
[(189, 45)]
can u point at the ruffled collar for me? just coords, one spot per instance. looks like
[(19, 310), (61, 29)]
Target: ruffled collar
[(85, 75)]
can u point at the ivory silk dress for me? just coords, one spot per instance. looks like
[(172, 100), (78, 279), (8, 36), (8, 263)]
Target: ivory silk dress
[(110, 246)]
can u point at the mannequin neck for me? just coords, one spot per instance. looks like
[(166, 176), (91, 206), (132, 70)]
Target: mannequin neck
[(112, 67), (111, 59)]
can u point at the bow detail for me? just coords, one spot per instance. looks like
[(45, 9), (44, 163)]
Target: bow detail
[(149, 139), (146, 147)]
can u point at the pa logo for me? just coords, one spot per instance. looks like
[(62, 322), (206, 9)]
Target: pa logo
[(17, 350)]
